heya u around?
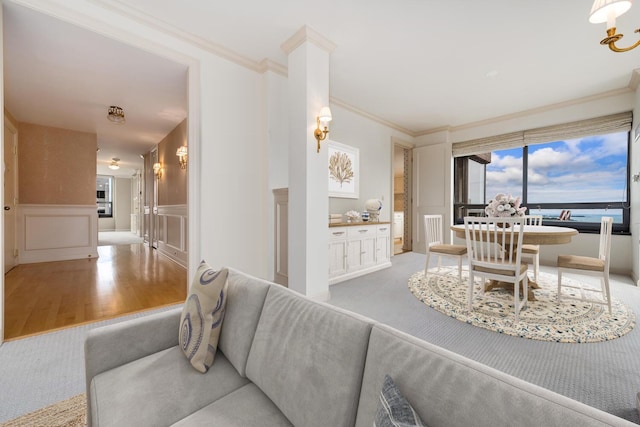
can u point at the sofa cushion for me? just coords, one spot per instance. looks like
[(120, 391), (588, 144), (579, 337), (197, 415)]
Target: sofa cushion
[(158, 390), (245, 297), (394, 410), (307, 357), (202, 316), (247, 406), (447, 389)]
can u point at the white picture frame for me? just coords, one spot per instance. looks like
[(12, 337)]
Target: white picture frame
[(343, 172)]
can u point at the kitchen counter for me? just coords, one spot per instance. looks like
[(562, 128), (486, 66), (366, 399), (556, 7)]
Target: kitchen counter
[(353, 224)]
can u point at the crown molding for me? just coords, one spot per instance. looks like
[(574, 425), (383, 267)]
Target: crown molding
[(270, 65), (307, 34), (135, 14), (550, 107), (340, 103)]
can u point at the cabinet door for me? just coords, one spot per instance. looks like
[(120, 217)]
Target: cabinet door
[(337, 257), (354, 256), (383, 249), (368, 251)]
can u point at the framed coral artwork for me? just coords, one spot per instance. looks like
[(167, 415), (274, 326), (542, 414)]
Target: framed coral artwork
[(343, 170)]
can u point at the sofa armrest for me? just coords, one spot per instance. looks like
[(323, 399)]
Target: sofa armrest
[(114, 345)]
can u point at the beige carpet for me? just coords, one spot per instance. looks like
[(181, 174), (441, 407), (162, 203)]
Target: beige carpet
[(67, 413)]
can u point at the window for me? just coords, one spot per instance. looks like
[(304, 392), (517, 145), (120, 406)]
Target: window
[(104, 196), (570, 182)]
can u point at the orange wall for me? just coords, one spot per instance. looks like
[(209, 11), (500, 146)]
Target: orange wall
[(56, 166), (172, 186)]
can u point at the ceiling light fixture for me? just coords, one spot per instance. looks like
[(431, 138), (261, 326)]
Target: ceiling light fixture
[(116, 115), (607, 11), (114, 164), (324, 118)]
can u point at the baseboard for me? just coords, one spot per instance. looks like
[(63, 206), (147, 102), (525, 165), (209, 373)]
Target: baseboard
[(360, 272)]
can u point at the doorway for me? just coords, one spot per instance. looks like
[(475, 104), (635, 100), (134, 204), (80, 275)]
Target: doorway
[(402, 241), (10, 190)]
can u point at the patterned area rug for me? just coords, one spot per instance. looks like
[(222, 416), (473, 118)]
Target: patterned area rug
[(570, 321), (67, 413)]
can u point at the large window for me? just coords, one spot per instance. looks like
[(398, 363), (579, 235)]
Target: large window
[(575, 181)]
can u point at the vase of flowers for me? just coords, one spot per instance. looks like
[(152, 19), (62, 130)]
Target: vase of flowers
[(504, 206)]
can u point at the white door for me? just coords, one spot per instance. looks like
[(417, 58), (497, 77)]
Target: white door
[(10, 181)]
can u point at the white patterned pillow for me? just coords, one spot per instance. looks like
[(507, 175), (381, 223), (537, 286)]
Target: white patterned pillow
[(202, 316)]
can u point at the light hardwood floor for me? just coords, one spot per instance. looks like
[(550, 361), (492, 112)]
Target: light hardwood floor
[(124, 279)]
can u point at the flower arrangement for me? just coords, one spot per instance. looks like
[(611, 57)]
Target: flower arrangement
[(352, 215), (503, 205)]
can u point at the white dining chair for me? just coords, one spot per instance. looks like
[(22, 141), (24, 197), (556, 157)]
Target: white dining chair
[(436, 246), (494, 248), (531, 253), (589, 266)]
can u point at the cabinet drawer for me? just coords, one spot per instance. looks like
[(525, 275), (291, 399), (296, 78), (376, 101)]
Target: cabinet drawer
[(337, 233), (361, 231), (384, 229)]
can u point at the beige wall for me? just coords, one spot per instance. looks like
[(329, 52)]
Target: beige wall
[(56, 166), (172, 186)]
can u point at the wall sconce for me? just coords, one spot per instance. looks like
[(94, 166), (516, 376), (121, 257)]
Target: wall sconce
[(181, 152), (607, 11), (324, 118), (157, 170)]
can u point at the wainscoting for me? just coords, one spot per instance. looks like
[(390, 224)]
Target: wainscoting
[(56, 232), (172, 232)]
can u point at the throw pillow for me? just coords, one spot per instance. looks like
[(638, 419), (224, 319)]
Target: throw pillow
[(394, 410), (202, 316)]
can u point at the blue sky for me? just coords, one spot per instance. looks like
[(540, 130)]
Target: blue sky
[(591, 169)]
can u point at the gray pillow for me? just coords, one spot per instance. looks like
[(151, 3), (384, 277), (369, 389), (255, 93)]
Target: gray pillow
[(202, 316), (394, 410)]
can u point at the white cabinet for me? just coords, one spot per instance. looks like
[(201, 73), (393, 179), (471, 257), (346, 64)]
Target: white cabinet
[(358, 249)]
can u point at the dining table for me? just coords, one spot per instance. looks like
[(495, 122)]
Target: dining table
[(532, 235)]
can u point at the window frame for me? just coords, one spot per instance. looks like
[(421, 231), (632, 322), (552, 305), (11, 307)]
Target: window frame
[(584, 227)]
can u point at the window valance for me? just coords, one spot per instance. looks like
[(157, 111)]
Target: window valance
[(620, 122)]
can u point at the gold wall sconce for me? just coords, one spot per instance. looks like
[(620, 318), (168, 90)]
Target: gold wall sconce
[(157, 170), (181, 152), (324, 118), (607, 11)]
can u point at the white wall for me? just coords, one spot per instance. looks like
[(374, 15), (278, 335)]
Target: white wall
[(373, 139), (122, 204)]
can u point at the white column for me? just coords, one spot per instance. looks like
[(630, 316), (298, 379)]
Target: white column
[(308, 84)]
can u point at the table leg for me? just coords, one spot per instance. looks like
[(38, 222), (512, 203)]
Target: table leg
[(495, 284)]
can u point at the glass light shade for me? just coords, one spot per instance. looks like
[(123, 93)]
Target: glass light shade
[(608, 10), (116, 115), (114, 163), (325, 114), (181, 151)]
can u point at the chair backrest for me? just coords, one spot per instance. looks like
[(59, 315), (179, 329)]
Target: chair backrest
[(606, 224), (533, 220), (433, 230), (494, 241)]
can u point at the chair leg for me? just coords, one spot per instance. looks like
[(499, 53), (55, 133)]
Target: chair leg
[(426, 264), (536, 267), (605, 279), (516, 299), (559, 284), (470, 306), (460, 269)]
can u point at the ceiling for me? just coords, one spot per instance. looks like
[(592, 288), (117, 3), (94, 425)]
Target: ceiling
[(60, 75), (419, 64)]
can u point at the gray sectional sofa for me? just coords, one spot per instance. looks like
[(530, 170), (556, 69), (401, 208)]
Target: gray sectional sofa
[(285, 360)]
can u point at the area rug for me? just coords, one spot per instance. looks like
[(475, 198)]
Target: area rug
[(544, 319), (67, 413)]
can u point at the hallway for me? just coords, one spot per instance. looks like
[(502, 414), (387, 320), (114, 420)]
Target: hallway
[(124, 279)]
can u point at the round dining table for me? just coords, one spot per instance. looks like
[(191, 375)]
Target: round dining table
[(533, 235)]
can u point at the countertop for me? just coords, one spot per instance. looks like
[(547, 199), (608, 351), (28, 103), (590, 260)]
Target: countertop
[(353, 224)]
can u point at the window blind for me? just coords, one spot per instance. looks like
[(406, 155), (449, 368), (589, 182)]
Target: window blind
[(620, 122)]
